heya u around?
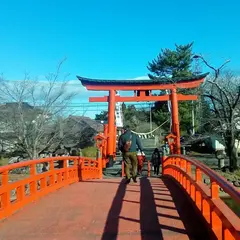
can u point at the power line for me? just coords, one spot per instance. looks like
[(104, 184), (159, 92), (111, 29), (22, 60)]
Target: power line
[(96, 110), (97, 105)]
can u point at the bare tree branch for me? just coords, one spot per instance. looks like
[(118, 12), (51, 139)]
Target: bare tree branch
[(30, 110), (224, 93)]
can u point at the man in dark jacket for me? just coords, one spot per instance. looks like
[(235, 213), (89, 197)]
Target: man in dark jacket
[(127, 144)]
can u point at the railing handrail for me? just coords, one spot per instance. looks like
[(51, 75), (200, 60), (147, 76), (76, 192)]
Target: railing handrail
[(214, 176), (40, 160), (224, 223), (40, 183)]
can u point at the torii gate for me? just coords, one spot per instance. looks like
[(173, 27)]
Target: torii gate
[(142, 93)]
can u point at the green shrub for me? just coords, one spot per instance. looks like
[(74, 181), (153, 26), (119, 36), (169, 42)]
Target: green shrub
[(89, 152)]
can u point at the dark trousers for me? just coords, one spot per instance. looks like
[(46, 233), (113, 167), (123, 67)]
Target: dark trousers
[(156, 169)]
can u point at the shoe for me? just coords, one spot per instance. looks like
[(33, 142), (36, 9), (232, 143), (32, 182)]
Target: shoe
[(128, 181), (135, 179)]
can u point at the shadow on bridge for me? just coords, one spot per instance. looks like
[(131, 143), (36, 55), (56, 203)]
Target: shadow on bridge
[(165, 213), (108, 210)]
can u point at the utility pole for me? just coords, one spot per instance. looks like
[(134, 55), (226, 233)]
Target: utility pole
[(150, 111), (193, 120)]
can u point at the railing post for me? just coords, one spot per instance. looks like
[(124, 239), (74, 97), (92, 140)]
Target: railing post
[(214, 190), (163, 161), (99, 160), (178, 162), (206, 210), (189, 168), (66, 173), (79, 164), (188, 186), (51, 170), (184, 182), (6, 196), (198, 175), (20, 192), (183, 164), (33, 184), (198, 199), (216, 224), (227, 234)]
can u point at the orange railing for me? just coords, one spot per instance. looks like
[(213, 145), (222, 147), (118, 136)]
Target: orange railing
[(189, 174), (33, 185)]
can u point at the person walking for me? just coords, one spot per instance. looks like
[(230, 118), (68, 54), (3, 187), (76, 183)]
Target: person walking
[(127, 144), (156, 161), (141, 158)]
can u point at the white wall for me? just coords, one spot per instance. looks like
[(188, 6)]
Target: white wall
[(219, 146)]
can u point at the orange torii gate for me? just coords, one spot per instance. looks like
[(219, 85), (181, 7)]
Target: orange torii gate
[(142, 93)]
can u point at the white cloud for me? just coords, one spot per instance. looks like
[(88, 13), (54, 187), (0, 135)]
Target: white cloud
[(81, 95), (141, 78)]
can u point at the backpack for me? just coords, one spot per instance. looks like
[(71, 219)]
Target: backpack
[(128, 144)]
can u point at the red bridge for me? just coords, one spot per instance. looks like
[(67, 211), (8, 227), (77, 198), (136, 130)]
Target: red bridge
[(176, 206), (75, 202)]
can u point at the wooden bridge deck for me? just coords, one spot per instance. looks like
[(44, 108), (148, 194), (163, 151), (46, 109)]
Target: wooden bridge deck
[(108, 209)]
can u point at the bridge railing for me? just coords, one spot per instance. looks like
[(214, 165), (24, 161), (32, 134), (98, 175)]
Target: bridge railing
[(189, 174), (17, 190)]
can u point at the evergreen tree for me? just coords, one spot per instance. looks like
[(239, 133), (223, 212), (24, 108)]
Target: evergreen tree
[(170, 64), (102, 116)]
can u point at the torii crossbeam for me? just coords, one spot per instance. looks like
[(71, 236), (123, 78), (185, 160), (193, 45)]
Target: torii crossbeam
[(142, 93)]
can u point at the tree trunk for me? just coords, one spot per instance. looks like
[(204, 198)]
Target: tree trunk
[(34, 153), (232, 153)]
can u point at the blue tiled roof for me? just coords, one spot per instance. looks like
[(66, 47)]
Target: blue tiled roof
[(157, 80)]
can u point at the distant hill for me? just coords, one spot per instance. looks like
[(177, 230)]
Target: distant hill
[(80, 131)]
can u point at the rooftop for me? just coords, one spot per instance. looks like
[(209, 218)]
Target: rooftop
[(157, 80)]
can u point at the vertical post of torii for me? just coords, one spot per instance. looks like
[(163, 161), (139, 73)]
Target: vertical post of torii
[(111, 125), (175, 120)]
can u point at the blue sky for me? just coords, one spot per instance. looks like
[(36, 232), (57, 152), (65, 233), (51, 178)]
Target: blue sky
[(112, 38)]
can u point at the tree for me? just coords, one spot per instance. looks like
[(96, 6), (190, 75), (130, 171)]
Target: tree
[(204, 115), (160, 114), (102, 116), (79, 132), (222, 90), (30, 111), (170, 64)]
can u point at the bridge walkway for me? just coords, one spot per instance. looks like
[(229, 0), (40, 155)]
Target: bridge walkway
[(108, 209)]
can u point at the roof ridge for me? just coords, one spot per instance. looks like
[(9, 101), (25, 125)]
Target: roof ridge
[(156, 80)]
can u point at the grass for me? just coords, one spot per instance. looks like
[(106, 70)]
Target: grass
[(233, 205), (89, 152), (237, 172), (3, 161)]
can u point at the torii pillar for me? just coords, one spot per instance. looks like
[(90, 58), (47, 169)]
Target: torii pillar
[(175, 120), (111, 126)]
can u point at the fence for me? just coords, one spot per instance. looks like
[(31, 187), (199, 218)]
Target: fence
[(33, 185), (189, 174)]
